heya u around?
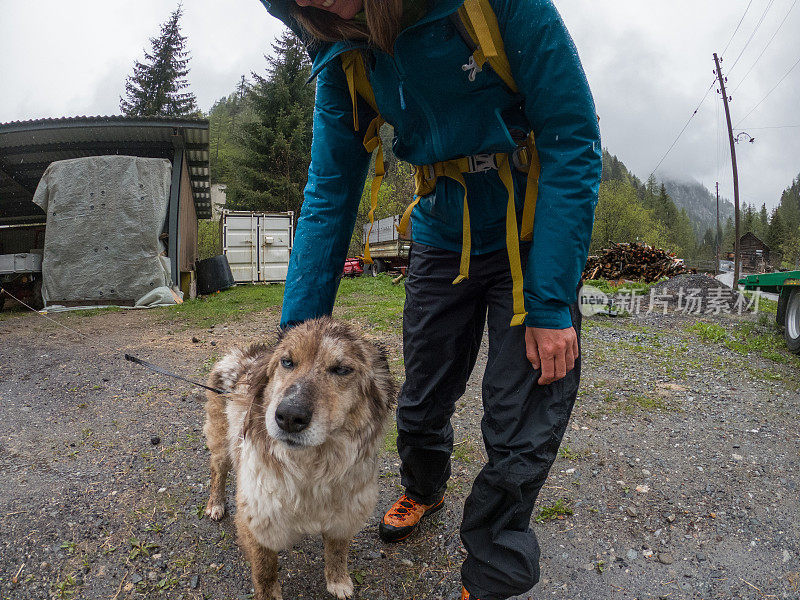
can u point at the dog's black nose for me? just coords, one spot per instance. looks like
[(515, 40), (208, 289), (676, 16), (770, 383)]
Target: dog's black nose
[(293, 416)]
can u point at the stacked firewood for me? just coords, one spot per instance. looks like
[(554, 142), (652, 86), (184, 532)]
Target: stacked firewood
[(636, 262)]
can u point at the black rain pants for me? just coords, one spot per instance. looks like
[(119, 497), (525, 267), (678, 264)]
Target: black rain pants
[(522, 425)]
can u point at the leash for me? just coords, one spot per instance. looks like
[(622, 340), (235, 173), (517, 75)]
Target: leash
[(157, 369), (128, 357)]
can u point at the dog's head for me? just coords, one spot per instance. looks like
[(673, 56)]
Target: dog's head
[(322, 379)]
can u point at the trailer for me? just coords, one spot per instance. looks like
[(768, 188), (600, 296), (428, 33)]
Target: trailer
[(21, 276), (787, 285), (389, 250)]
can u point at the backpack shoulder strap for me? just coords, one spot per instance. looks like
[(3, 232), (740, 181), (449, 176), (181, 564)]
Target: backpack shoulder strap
[(480, 23)]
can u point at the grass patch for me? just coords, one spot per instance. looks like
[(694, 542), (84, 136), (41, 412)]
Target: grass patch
[(568, 453), (390, 440), (708, 332), (750, 338), (614, 287), (747, 338), (642, 402), (765, 305), (374, 301), (466, 452), (230, 305), (559, 510), (10, 313), (91, 312)]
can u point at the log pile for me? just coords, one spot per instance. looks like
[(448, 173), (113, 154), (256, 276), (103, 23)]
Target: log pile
[(635, 262)]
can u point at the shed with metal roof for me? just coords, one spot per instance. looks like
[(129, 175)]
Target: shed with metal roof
[(27, 148)]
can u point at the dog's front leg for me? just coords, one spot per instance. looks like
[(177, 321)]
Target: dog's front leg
[(263, 564), (336, 575)]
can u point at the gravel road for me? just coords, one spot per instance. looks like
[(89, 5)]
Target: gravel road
[(680, 468)]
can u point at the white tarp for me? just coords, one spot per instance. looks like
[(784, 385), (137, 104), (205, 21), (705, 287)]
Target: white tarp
[(104, 218)]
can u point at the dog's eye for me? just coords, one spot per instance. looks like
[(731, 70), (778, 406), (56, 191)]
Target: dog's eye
[(341, 370), (287, 363)]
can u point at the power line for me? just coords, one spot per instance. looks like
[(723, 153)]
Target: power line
[(684, 127), (737, 28), (788, 12), (792, 68), (771, 127), (752, 35)]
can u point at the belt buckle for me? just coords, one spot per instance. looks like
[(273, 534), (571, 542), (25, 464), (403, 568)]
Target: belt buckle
[(479, 163)]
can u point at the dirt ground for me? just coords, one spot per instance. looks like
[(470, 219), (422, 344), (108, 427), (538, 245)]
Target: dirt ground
[(681, 468)]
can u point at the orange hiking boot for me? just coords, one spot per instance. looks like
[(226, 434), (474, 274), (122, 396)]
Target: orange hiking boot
[(465, 595), (402, 519)]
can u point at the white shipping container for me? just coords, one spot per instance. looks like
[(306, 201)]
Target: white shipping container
[(257, 245)]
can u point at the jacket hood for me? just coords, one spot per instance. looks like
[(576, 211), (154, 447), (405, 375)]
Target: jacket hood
[(281, 10)]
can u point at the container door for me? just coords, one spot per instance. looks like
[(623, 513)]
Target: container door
[(276, 245), (240, 246)]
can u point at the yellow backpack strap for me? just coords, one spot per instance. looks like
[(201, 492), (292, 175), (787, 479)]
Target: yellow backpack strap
[(481, 24), (531, 190), (372, 141), (358, 85), (357, 82), (512, 242)]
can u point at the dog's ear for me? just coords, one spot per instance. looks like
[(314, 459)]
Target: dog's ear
[(259, 373), (382, 388), (259, 370)]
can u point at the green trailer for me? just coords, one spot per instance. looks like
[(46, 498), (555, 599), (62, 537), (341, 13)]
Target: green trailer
[(786, 284)]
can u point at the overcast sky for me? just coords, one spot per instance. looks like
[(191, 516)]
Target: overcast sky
[(649, 65)]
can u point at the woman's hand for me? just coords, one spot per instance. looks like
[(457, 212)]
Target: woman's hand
[(552, 350)]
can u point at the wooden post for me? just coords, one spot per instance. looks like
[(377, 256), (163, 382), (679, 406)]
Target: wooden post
[(736, 257), (717, 236)]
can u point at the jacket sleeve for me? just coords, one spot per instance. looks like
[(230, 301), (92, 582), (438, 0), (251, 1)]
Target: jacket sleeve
[(335, 182), (561, 111)]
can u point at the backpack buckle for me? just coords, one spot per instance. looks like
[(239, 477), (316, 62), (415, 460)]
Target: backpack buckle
[(521, 158), (479, 163)]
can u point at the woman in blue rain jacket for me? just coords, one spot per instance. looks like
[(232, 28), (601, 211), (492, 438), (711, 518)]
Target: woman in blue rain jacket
[(442, 109)]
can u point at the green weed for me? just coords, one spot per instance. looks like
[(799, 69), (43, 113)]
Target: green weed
[(708, 332), (568, 453), (140, 548), (558, 510)]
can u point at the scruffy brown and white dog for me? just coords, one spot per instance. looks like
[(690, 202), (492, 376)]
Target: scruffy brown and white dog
[(301, 426)]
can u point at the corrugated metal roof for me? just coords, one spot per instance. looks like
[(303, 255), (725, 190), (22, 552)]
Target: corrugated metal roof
[(28, 147)]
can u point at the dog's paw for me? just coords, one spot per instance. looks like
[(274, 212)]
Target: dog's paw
[(273, 593), (215, 512), (341, 589)]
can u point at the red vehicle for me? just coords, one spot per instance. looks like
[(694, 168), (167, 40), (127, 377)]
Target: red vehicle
[(353, 267)]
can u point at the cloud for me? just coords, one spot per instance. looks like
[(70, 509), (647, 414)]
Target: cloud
[(648, 64)]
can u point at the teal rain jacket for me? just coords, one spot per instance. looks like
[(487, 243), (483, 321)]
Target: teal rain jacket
[(438, 113)]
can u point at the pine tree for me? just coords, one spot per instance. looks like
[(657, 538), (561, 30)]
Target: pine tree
[(775, 236), (748, 216), (225, 119), (272, 166), (155, 87), (762, 226)]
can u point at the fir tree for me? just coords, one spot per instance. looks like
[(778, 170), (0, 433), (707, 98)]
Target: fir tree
[(272, 166), (225, 119), (155, 87), (762, 226)]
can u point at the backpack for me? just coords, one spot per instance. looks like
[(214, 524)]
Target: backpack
[(477, 24)]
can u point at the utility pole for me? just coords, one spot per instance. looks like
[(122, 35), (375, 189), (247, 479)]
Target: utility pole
[(736, 257), (717, 235)]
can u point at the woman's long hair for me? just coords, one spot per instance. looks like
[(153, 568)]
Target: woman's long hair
[(384, 22)]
